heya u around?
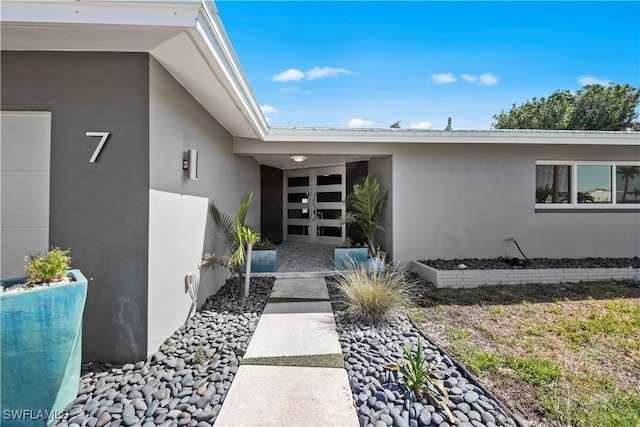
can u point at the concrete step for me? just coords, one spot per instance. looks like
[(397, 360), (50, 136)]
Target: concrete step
[(288, 396)]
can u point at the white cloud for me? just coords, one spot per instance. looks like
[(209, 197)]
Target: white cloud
[(318, 73), (268, 109), (487, 79), (268, 120), (294, 90), (469, 78), (295, 75), (591, 80), (421, 125), (290, 75), (359, 123), (443, 78)]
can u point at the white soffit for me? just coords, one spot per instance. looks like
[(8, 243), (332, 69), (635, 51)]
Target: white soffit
[(285, 162), (186, 37)]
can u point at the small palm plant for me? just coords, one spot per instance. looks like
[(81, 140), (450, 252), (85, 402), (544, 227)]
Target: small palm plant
[(365, 207), (239, 239), (424, 379)]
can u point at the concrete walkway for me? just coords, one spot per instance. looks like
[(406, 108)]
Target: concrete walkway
[(290, 375)]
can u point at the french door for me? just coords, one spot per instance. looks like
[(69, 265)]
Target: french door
[(314, 204)]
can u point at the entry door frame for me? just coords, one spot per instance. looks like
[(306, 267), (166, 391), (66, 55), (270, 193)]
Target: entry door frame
[(313, 206)]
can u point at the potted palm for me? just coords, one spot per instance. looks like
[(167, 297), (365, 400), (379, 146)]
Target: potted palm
[(41, 323), (239, 239), (365, 207)]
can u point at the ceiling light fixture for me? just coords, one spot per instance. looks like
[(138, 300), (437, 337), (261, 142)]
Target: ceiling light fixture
[(298, 158)]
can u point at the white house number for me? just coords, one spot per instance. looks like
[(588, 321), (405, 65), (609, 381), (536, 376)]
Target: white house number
[(103, 139)]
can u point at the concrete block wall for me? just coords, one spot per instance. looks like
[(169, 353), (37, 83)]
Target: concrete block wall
[(475, 278)]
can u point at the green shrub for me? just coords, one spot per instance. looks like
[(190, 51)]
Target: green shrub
[(372, 298), (49, 267), (264, 245)]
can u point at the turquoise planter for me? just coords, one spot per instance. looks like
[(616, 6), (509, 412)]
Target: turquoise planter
[(347, 258), (263, 261), (375, 265), (41, 350)]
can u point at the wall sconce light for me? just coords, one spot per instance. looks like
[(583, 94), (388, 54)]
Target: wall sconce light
[(298, 158), (190, 164)]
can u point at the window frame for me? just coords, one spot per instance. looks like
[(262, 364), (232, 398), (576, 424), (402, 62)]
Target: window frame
[(573, 164)]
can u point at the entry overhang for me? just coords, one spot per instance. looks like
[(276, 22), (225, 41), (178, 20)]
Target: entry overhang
[(186, 37)]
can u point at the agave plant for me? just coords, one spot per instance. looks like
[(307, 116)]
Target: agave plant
[(239, 239), (424, 378), (365, 207)]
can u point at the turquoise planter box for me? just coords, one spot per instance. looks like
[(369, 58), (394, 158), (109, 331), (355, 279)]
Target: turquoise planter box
[(263, 261), (375, 265), (41, 350), (346, 258)]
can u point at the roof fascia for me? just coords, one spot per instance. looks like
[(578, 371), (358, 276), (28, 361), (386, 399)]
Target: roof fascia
[(199, 19), (453, 137), (159, 13), (220, 50)]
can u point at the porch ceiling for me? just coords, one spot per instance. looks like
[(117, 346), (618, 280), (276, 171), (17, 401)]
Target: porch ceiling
[(285, 162)]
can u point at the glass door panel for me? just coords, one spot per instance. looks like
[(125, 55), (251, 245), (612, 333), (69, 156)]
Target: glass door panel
[(298, 209), (329, 205), (314, 204)]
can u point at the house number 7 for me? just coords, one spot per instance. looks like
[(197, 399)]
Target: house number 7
[(103, 138)]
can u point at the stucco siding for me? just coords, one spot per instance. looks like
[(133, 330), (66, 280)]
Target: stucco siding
[(382, 169), (99, 210), (464, 200), (177, 122)]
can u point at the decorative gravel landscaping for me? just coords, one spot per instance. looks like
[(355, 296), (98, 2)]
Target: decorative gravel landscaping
[(171, 388), (543, 263), (379, 397)]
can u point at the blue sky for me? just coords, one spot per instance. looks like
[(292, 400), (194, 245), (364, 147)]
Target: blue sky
[(369, 64)]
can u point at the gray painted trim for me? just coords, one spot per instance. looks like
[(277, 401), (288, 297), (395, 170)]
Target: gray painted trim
[(603, 210), (26, 106)]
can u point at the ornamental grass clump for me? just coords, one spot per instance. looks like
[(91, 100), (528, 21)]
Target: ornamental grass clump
[(47, 268), (372, 298)]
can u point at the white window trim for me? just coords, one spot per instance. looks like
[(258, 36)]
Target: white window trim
[(574, 185)]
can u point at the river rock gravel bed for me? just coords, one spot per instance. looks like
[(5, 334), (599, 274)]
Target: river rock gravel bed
[(170, 388), (380, 398), (542, 263)]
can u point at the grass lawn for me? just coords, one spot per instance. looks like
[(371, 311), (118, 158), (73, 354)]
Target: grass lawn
[(557, 355)]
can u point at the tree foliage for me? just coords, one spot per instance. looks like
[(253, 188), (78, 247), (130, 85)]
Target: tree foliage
[(594, 107)]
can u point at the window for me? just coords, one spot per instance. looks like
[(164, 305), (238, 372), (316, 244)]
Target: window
[(594, 184), (628, 184), (573, 184), (553, 184)]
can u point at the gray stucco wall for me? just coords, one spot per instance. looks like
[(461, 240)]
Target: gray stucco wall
[(464, 200), (382, 169), (178, 123), (99, 210)]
